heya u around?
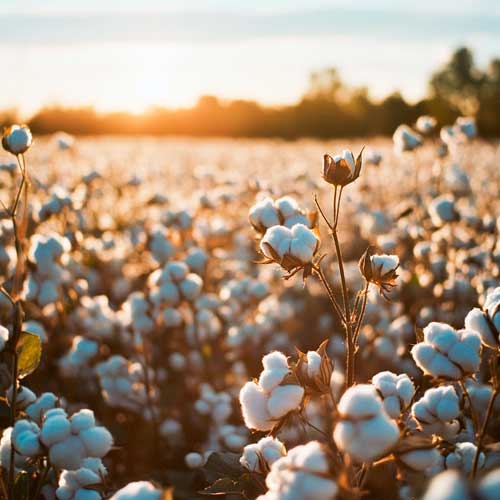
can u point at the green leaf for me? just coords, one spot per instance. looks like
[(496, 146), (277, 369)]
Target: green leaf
[(223, 465), (22, 486), (29, 351)]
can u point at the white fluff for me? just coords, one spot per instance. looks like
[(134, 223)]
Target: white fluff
[(139, 490), (446, 352), (396, 391), (365, 431), (284, 399), (97, 441)]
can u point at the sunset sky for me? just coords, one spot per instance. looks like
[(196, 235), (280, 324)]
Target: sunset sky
[(124, 54)]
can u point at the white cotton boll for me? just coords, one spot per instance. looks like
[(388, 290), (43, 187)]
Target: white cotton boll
[(284, 399), (270, 379), (177, 361), (392, 406), (448, 485), (67, 454), (366, 439), (313, 364), (442, 210), (191, 286), (384, 264), (65, 493), (95, 465), (264, 214), (420, 459), (360, 401), (489, 485), (437, 404), (250, 458), (275, 360), (463, 458), (287, 206), (84, 419), (4, 337), (170, 428), (169, 293), (304, 243), (55, 429), (139, 490), (254, 407), (194, 460), (172, 318), (405, 388), (385, 348), (85, 477), (271, 449), (296, 219), (279, 239), (476, 321), (97, 441)]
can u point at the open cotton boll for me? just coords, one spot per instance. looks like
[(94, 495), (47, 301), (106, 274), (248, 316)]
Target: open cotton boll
[(313, 364), (448, 485), (253, 402), (264, 214), (438, 404), (84, 419), (284, 399), (97, 441), (194, 460), (396, 391), (405, 139), (462, 457), (304, 243), (191, 286), (67, 454), (489, 486), (277, 238), (364, 431), (384, 264), (421, 459), (55, 429), (24, 397), (446, 352), (275, 360), (139, 490), (302, 474), (476, 320), (442, 210), (25, 437)]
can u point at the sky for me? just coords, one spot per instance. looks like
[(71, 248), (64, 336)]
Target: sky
[(134, 54)]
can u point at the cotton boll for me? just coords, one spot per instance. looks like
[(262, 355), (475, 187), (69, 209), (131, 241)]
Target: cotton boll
[(360, 401), (284, 399), (275, 360), (448, 485), (254, 407), (476, 321), (84, 419), (194, 460), (191, 286), (139, 490), (250, 458), (83, 494), (313, 364), (489, 485), (270, 379), (97, 441), (421, 459), (24, 398), (67, 454), (55, 429), (277, 238), (463, 458)]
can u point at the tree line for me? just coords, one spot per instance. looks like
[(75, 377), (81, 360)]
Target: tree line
[(328, 109)]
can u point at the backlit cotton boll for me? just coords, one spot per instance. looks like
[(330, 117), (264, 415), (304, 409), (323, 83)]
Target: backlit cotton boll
[(437, 410), (25, 437), (462, 457), (17, 139), (194, 460), (24, 396), (139, 490), (341, 169), (442, 210), (486, 321), (284, 211), (425, 124), (420, 459), (303, 474), (396, 391), (467, 126), (289, 247), (265, 402), (37, 409), (260, 456), (364, 431), (405, 139), (448, 353), (78, 485)]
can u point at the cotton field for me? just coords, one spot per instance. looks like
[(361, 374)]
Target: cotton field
[(252, 318)]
